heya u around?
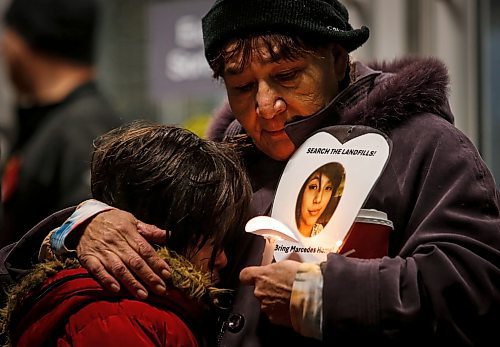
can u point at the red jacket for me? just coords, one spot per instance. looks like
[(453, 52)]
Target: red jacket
[(72, 309)]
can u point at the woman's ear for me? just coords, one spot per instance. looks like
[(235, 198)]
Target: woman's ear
[(341, 59)]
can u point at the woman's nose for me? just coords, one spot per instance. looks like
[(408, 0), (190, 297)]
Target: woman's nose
[(221, 260), (318, 196), (268, 103)]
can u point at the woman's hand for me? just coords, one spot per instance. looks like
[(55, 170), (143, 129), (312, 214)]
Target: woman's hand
[(273, 287), (115, 249)]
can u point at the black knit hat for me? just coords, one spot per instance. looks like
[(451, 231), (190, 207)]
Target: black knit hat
[(64, 28), (318, 19)]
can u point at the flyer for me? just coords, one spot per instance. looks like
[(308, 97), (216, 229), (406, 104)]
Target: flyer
[(323, 187)]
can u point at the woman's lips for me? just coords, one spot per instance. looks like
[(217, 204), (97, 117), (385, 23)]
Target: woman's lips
[(313, 212), (275, 133)]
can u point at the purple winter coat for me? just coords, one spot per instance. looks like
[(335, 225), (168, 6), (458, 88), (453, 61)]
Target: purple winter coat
[(440, 284)]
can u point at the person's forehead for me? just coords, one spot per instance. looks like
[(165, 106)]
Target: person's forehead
[(260, 52), (315, 176), (234, 67), (324, 177)]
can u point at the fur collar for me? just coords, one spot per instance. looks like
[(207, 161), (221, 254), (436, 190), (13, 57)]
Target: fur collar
[(407, 87), (194, 284)]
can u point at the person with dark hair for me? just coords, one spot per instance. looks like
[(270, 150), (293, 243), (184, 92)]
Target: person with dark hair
[(318, 198), (158, 173), (49, 51), (288, 73)]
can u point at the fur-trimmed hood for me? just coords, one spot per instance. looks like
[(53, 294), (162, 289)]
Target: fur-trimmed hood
[(397, 90), (190, 293)]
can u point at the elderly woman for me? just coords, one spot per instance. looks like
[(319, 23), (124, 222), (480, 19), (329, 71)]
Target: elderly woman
[(287, 71)]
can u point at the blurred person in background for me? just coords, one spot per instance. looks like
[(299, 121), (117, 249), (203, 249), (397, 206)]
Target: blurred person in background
[(48, 48), (7, 124)]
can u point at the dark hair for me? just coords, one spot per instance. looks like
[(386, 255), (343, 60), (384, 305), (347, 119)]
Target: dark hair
[(336, 174), (169, 177), (63, 28), (279, 46)]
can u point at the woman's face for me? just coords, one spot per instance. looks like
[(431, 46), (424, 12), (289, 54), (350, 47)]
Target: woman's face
[(201, 260), (316, 197), (267, 94)]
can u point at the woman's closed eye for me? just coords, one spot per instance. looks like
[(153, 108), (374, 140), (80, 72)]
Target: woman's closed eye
[(244, 87), (287, 76)]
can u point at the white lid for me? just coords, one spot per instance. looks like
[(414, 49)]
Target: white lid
[(373, 216)]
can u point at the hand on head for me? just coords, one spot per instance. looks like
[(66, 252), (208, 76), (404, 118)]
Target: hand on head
[(115, 245)]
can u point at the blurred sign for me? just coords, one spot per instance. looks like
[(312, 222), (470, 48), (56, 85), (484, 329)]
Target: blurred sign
[(177, 61)]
